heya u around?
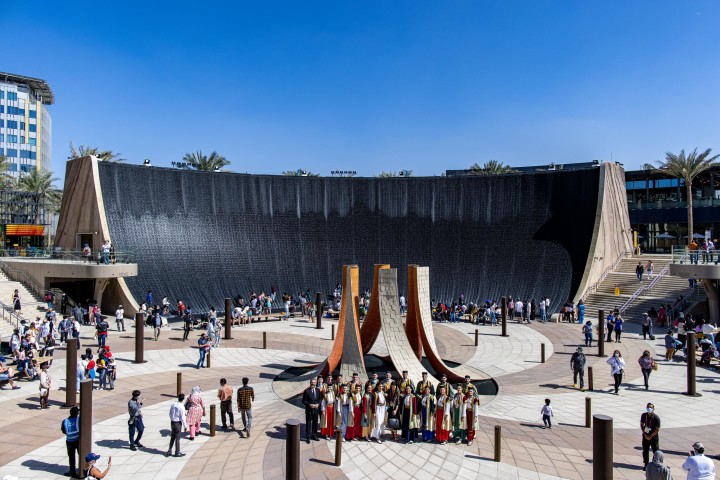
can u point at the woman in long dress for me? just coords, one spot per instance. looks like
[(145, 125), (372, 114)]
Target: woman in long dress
[(471, 413), (357, 397), (196, 411), (443, 418), (458, 406), (344, 413), (327, 419), (393, 399), (381, 408), (427, 415), (408, 415), (367, 410)]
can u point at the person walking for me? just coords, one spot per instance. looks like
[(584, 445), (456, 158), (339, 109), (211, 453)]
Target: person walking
[(639, 270), (650, 427), (618, 328), (698, 466), (646, 323), (647, 365), (187, 327), (203, 347), (547, 414), (135, 422), (120, 318), (312, 398), (195, 407), (45, 384), (577, 365), (657, 470), (245, 397), (617, 368), (71, 428), (225, 393), (588, 331), (177, 425), (649, 269), (157, 324)]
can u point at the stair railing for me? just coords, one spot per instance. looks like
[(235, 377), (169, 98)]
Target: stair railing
[(593, 288), (646, 288), (22, 277)]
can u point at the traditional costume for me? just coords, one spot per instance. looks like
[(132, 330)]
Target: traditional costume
[(427, 415), (443, 418), (356, 431), (471, 411), (408, 416), (344, 414), (393, 417), (404, 382), (327, 416), (458, 414), (420, 390), (367, 408), (381, 407)]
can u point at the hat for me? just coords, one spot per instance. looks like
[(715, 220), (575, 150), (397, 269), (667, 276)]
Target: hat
[(645, 314), (120, 306), (579, 349), (107, 348), (697, 446), (91, 457)]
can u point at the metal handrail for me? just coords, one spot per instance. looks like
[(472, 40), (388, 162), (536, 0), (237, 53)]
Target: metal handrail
[(11, 312), (22, 277), (682, 305), (644, 289), (593, 288), (117, 256)]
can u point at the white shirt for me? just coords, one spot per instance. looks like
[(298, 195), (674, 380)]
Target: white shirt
[(518, 306), (119, 313), (547, 410), (547, 302), (616, 364), (402, 301), (177, 413), (699, 467)]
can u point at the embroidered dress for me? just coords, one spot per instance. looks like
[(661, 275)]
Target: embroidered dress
[(471, 413), (381, 406), (344, 414), (427, 413), (357, 423), (459, 430), (443, 418), (408, 417), (327, 420)]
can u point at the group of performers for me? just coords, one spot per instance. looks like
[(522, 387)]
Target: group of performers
[(421, 412)]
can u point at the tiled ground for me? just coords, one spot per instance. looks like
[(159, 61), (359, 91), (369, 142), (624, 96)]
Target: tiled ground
[(33, 447)]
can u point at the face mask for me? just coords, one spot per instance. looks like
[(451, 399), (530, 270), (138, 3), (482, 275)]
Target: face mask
[(617, 355), (649, 409)]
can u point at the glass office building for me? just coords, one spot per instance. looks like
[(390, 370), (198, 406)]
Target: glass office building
[(25, 123)]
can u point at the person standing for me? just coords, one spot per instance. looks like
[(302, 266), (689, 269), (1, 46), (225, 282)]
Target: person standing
[(618, 328), (381, 407), (639, 270), (196, 410), (344, 411), (187, 327), (101, 330), (647, 364), (135, 422), (443, 420), (225, 393), (367, 410), (157, 324), (698, 466), (90, 470), (203, 347), (657, 470), (577, 365), (650, 427), (327, 416), (543, 311), (312, 399), (177, 425), (646, 323), (245, 397), (45, 384), (120, 318), (588, 331), (427, 415), (617, 368), (547, 414), (581, 311), (403, 305), (459, 430), (71, 428), (408, 415), (609, 326)]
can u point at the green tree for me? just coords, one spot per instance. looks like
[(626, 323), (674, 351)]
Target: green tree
[(393, 174), (86, 151), (208, 163), (6, 180), (491, 167), (42, 182), (300, 173), (687, 167)]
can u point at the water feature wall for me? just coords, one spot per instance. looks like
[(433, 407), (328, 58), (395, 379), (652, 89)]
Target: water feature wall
[(204, 236)]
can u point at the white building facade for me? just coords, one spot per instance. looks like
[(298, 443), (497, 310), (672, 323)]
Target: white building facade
[(25, 123)]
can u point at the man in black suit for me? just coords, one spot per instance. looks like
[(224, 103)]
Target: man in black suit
[(312, 398)]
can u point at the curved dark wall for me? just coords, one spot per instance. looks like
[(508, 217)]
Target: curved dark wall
[(203, 236)]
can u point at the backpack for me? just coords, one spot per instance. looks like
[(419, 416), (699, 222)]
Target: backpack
[(48, 297), (102, 327)]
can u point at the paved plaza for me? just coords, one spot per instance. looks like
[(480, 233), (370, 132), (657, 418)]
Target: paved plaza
[(34, 447)]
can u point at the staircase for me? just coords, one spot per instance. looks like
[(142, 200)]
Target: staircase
[(666, 291), (31, 305)]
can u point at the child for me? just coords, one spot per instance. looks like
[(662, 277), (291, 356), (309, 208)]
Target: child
[(547, 412)]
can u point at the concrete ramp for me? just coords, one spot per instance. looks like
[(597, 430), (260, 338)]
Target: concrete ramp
[(399, 348)]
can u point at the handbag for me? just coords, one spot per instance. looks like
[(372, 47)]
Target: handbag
[(655, 366), (393, 424)]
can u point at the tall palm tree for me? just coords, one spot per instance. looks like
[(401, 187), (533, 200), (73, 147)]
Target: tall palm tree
[(687, 167), (491, 167), (6, 180), (208, 163), (86, 151), (41, 181)]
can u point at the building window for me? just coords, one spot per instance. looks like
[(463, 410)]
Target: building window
[(2, 94), (27, 154), (12, 124), (12, 167), (22, 125), (33, 114), (2, 108), (26, 168), (2, 137), (33, 142), (11, 152), (33, 127), (22, 138), (12, 96), (12, 138)]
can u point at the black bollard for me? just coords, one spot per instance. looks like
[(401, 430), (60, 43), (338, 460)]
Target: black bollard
[(588, 411), (71, 373), (542, 353), (139, 338), (602, 447), (338, 448), (213, 412), (207, 359), (86, 404), (590, 379), (476, 337), (503, 316), (691, 362), (179, 384), (318, 310), (292, 450), (264, 340), (332, 332), (601, 333), (228, 318), (498, 443)]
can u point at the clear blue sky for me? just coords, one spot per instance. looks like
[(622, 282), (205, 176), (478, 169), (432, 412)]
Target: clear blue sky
[(367, 86)]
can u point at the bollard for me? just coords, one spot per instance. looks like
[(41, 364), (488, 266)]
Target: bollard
[(332, 332), (86, 404), (292, 450), (498, 440), (318, 310), (588, 411), (503, 316), (601, 333), (542, 353), (179, 384), (212, 420), (71, 373), (691, 361), (207, 359), (590, 379), (476, 337), (139, 338), (264, 340), (602, 447), (228, 318), (338, 448)]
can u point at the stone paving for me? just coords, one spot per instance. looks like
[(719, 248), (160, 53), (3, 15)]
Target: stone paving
[(33, 446)]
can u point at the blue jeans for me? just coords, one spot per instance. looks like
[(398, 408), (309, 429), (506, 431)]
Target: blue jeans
[(588, 339), (543, 316), (101, 340), (132, 427), (201, 362), (345, 415)]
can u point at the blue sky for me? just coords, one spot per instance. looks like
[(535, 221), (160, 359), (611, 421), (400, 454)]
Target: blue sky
[(371, 86)]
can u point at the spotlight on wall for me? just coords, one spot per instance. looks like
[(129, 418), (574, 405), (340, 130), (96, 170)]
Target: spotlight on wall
[(551, 167), (596, 163), (146, 162), (216, 169)]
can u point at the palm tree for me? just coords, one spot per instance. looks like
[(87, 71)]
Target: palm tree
[(41, 181), (491, 167), (208, 163), (86, 151), (687, 167), (6, 180), (300, 173), (393, 174)]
